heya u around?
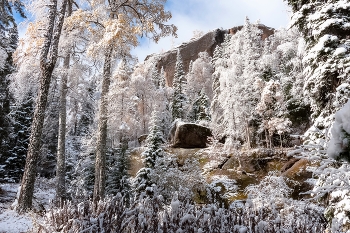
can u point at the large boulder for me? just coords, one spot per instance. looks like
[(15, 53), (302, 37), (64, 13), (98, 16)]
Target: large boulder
[(187, 135)]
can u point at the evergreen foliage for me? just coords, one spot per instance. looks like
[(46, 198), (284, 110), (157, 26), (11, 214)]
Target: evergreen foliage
[(162, 78), (154, 151), (179, 99), (325, 27), (21, 121), (155, 77), (83, 127), (5, 124), (200, 108), (83, 181), (8, 44), (118, 178), (239, 64)]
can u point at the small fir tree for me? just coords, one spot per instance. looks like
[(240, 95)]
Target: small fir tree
[(118, 180), (88, 113), (200, 108), (179, 98), (83, 184), (162, 78), (155, 76), (154, 151)]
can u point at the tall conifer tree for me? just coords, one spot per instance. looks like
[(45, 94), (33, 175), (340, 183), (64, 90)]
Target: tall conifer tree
[(179, 98)]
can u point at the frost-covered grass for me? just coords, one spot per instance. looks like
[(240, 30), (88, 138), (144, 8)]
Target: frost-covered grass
[(150, 214)]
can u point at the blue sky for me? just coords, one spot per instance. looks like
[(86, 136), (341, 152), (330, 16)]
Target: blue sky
[(207, 15)]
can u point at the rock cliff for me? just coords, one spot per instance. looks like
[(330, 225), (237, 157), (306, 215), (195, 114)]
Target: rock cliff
[(189, 50)]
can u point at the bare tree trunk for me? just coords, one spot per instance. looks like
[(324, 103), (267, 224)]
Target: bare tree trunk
[(281, 140), (61, 148), (270, 140), (48, 58), (248, 135), (100, 164), (143, 114)]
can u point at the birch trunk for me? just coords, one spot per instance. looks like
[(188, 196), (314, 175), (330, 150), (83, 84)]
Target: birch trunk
[(61, 148), (100, 163), (48, 58)]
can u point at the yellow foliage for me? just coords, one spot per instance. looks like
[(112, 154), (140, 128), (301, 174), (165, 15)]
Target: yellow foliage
[(31, 45), (119, 25)]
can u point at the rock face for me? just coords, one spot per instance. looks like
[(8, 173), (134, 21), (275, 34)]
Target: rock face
[(266, 31), (186, 135), (189, 51)]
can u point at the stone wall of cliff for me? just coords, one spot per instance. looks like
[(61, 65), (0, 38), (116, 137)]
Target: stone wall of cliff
[(189, 50)]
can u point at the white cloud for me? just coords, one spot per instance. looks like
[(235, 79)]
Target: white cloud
[(206, 15)]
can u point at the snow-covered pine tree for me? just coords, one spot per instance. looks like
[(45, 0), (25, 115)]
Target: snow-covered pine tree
[(200, 108), (85, 177), (179, 99), (154, 151), (120, 107), (162, 78), (5, 123), (219, 64), (118, 178), (270, 107), (155, 77), (203, 113), (238, 102), (86, 119), (21, 121), (8, 44), (325, 26)]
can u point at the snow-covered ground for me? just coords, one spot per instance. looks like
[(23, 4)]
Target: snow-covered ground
[(10, 220)]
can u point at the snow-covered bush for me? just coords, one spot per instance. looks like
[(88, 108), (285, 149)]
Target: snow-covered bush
[(338, 147), (270, 201), (107, 217), (150, 214), (143, 181), (186, 179)]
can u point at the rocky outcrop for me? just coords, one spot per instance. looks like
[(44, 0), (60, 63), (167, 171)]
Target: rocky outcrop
[(189, 51), (298, 173), (186, 135), (266, 31)]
